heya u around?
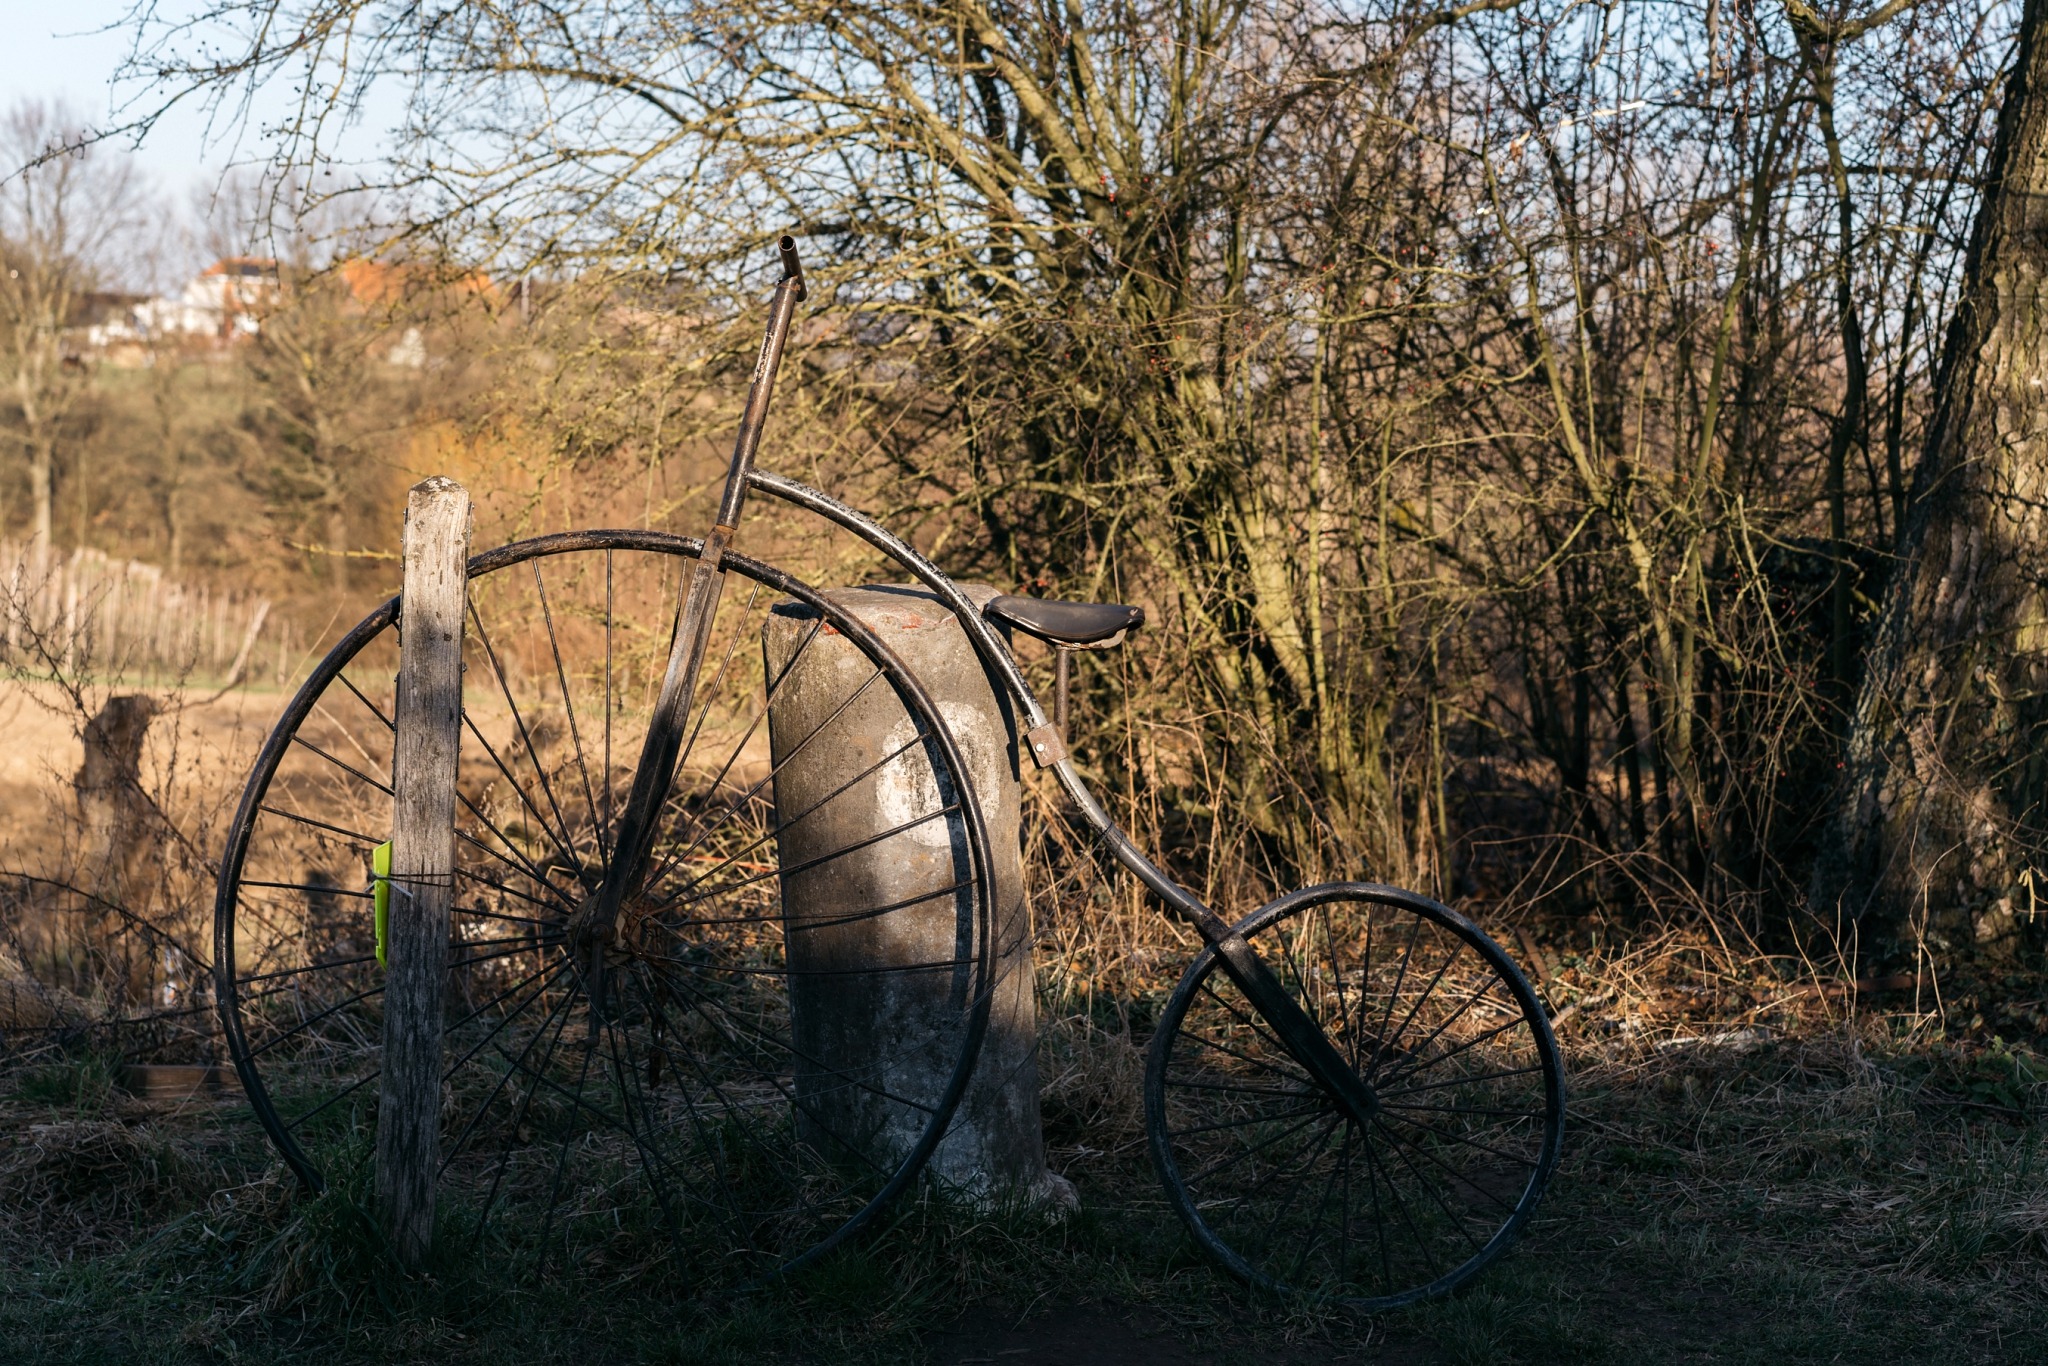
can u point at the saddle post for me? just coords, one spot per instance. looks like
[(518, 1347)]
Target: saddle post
[(1059, 697)]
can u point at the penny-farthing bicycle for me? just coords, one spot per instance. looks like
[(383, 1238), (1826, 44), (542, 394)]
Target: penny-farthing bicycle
[(1353, 1094)]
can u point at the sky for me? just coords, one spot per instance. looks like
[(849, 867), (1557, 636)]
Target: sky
[(64, 50), (70, 49)]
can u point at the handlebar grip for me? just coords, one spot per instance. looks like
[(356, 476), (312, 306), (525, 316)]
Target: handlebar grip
[(792, 269)]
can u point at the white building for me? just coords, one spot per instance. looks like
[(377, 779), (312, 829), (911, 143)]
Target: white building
[(223, 303)]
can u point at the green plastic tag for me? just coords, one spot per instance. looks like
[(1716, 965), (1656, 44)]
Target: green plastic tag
[(380, 895)]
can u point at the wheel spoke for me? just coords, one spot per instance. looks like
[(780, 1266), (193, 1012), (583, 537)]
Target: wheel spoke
[(335, 1099), (358, 838), (1401, 1208), (1241, 1090), (881, 970), (736, 803), (1401, 1150), (789, 870), (1465, 1047), (558, 1018), (310, 967), (311, 1020), (1266, 1063), (374, 709), (347, 768), (560, 903), (719, 1020), (559, 837), (1337, 975), (722, 1181), (1364, 985), (1283, 1205), (1253, 1022), (562, 1161), (483, 914), (1223, 1124), (524, 867), (1310, 1239), (809, 923), (1393, 1040), (561, 827), (1224, 1164), (1393, 996), (1491, 1151), (1416, 1054), (627, 1081), (1466, 1080), (1465, 1110), (569, 709), (316, 888)]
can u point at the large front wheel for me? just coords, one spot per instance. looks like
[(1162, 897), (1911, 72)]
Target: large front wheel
[(792, 1000), (1291, 1192)]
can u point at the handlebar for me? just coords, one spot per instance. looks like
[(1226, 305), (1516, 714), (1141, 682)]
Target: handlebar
[(792, 269)]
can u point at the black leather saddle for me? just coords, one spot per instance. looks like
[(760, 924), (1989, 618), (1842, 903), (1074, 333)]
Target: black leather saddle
[(1066, 623)]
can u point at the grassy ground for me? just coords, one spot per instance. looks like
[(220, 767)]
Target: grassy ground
[(1827, 1198)]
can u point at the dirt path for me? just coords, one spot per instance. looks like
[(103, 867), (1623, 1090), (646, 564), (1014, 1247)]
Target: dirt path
[(1071, 1335), (1101, 1334)]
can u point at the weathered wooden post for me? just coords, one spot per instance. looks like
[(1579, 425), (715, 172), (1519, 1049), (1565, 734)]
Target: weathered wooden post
[(996, 1146), (428, 719)]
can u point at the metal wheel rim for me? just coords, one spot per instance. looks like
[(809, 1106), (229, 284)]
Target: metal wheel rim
[(1160, 1139), (300, 707)]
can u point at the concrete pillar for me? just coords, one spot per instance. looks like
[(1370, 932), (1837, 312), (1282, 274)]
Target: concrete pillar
[(995, 1148)]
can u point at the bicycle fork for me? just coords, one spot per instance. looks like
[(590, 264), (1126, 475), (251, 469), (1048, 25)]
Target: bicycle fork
[(596, 923), (1300, 1035)]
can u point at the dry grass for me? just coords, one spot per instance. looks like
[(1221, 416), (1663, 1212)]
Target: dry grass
[(1764, 1163), (1820, 1196)]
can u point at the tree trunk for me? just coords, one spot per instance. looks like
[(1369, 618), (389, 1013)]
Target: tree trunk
[(1941, 812), (113, 808), (337, 542), (41, 484)]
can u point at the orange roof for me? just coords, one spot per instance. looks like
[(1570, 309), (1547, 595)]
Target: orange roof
[(375, 282)]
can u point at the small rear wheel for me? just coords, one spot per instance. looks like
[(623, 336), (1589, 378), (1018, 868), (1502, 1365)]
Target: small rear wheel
[(1291, 1194)]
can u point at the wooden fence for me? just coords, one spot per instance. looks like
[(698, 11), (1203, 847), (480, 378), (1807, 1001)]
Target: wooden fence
[(87, 613)]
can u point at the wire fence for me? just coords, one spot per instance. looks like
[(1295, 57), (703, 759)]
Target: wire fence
[(86, 612)]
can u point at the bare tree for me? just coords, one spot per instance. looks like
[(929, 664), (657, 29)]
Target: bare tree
[(327, 405), (67, 210)]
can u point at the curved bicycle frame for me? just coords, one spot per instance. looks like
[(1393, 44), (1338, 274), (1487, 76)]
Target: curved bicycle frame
[(1228, 942), (995, 653)]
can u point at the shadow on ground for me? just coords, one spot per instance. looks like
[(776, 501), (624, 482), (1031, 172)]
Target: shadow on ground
[(1805, 1201)]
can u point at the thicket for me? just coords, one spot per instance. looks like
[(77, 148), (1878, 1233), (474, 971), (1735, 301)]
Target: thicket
[(1508, 410)]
